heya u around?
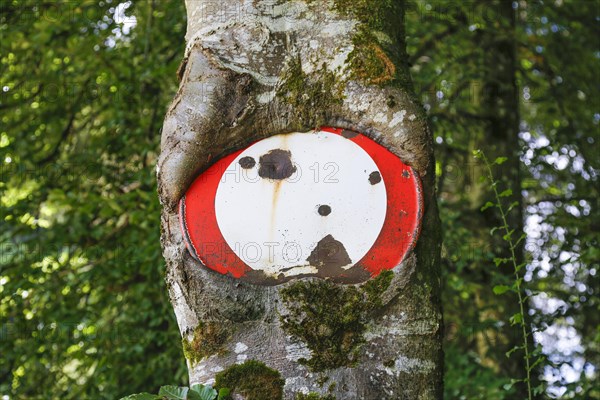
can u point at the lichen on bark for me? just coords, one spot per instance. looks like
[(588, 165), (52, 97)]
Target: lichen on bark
[(331, 319)]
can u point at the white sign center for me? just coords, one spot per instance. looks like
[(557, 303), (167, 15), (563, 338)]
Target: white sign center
[(291, 204)]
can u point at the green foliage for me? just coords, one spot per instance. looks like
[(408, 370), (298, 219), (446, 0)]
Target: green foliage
[(195, 392), (84, 311), (456, 49), (466, 371), (253, 380), (516, 288)]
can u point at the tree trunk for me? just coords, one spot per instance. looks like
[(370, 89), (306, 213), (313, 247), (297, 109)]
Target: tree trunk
[(239, 84)]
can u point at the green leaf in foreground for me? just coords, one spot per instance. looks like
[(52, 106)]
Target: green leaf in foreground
[(203, 392), (174, 392)]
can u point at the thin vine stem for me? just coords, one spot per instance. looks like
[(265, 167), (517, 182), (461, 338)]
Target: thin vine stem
[(513, 258)]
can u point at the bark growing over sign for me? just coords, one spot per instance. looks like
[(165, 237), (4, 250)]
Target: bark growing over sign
[(255, 70)]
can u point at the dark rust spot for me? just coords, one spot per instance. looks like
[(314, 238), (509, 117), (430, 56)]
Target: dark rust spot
[(374, 177), (406, 174), (324, 210), (247, 162), (276, 164), (329, 254), (349, 134)]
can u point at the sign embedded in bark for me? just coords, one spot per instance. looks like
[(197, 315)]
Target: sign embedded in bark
[(330, 203)]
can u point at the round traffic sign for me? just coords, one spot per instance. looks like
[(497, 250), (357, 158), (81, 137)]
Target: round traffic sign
[(330, 203)]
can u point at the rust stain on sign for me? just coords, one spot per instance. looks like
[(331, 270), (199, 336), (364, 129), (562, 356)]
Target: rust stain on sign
[(276, 164)]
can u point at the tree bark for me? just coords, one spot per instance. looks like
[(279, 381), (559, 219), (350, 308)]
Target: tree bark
[(238, 85)]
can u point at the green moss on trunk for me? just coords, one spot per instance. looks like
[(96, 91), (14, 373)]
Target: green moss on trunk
[(312, 96), (379, 55), (253, 380), (369, 62), (331, 319), (208, 339)]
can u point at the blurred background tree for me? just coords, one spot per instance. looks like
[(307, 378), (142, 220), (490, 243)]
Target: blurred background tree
[(516, 79), (83, 89)]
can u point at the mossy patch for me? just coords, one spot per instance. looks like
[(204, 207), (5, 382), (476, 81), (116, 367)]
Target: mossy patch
[(253, 380), (331, 319), (369, 62), (311, 96), (208, 339), (378, 40), (314, 396)]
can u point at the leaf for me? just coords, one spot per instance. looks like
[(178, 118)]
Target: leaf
[(500, 160), (516, 319), (539, 389), (508, 236), (501, 289), (506, 193), (223, 393), (512, 205), (174, 392), (141, 396), (487, 205), (194, 396), (205, 392), (498, 261)]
